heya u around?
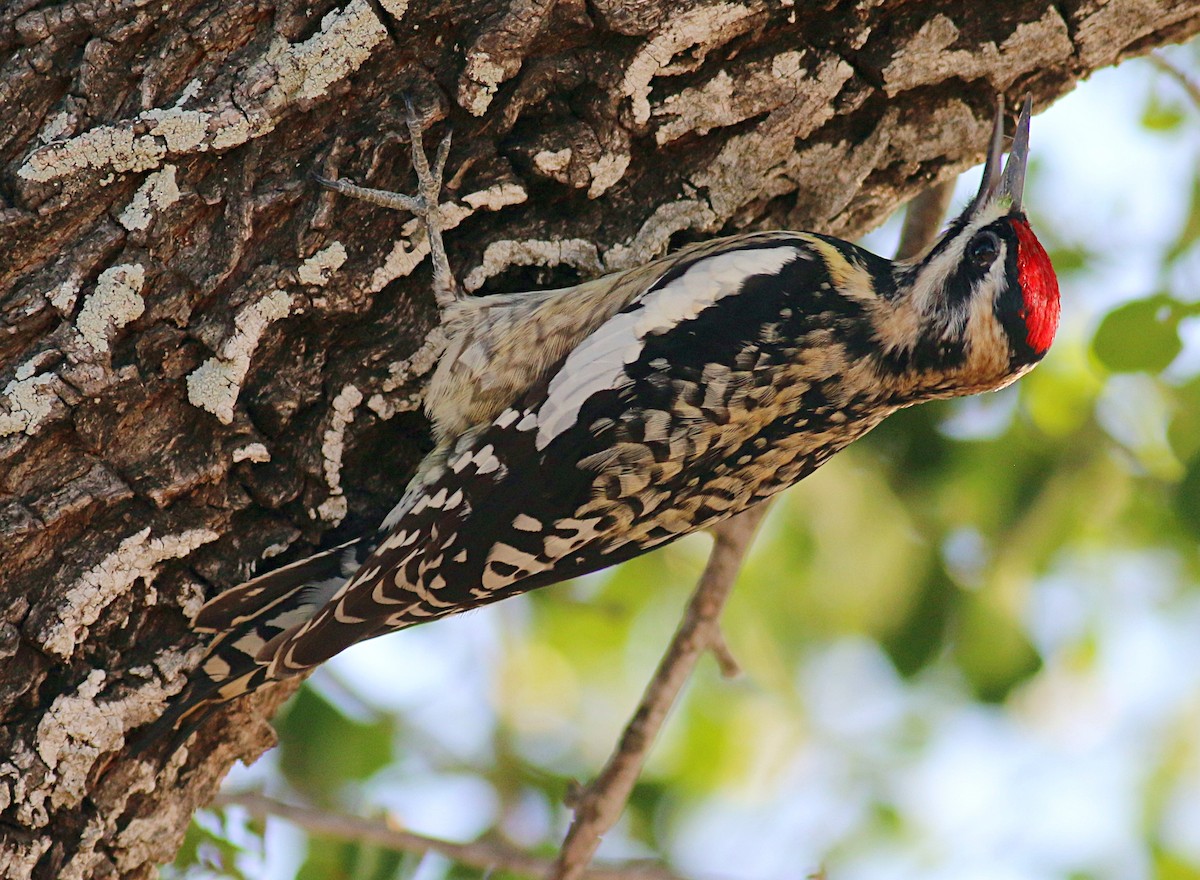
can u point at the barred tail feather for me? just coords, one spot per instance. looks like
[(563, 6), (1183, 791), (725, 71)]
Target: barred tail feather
[(193, 708), (247, 601), (245, 619)]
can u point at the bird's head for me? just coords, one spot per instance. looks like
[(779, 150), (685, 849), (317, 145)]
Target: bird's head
[(981, 306)]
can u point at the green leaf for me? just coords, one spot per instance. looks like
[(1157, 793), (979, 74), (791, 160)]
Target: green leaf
[(326, 860), (1187, 498), (1139, 336), (1070, 258), (202, 847), (992, 650), (1170, 866), (376, 863), (1184, 430), (321, 749), (921, 635), (1190, 233), (1162, 116), (329, 859)]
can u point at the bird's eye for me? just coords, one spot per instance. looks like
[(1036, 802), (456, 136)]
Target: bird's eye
[(983, 249)]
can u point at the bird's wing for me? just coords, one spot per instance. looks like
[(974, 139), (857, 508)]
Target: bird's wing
[(533, 496)]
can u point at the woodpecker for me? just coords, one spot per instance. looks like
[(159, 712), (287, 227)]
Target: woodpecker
[(577, 428)]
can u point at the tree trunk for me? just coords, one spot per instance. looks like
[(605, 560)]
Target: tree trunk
[(209, 364)]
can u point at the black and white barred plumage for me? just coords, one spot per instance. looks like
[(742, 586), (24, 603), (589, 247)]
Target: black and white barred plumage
[(577, 428)]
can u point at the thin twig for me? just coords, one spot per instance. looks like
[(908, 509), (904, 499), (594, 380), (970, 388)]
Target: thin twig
[(730, 668), (483, 855), (1169, 67), (600, 804), (923, 219)]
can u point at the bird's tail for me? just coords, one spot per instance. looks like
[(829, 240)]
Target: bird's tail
[(244, 620)]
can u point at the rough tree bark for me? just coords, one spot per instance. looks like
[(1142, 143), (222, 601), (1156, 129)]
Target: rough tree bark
[(208, 364)]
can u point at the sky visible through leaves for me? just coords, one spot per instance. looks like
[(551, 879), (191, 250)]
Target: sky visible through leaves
[(970, 644)]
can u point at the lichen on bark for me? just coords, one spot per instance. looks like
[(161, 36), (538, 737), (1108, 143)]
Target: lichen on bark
[(204, 357)]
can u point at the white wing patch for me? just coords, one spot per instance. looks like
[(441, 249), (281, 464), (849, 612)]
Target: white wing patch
[(598, 363)]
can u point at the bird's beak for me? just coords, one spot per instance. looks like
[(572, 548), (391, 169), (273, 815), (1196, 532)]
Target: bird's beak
[(1008, 184)]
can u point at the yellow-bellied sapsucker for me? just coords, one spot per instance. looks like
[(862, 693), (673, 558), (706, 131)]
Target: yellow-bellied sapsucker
[(579, 427)]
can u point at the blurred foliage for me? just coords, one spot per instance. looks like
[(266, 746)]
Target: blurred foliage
[(213, 849), (338, 860), (321, 749), (941, 541)]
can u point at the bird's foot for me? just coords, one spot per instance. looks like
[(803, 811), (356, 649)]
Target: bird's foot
[(424, 204)]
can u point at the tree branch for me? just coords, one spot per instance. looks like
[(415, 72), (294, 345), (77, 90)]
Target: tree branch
[(923, 219), (601, 803), (1169, 67), (484, 855)]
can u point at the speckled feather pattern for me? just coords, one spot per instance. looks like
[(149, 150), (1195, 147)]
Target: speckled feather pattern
[(579, 427)]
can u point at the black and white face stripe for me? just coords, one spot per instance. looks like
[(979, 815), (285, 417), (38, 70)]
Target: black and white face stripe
[(1010, 305), (940, 273), (967, 279)]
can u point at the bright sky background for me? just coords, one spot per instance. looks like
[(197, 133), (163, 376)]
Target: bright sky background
[(1050, 784)]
